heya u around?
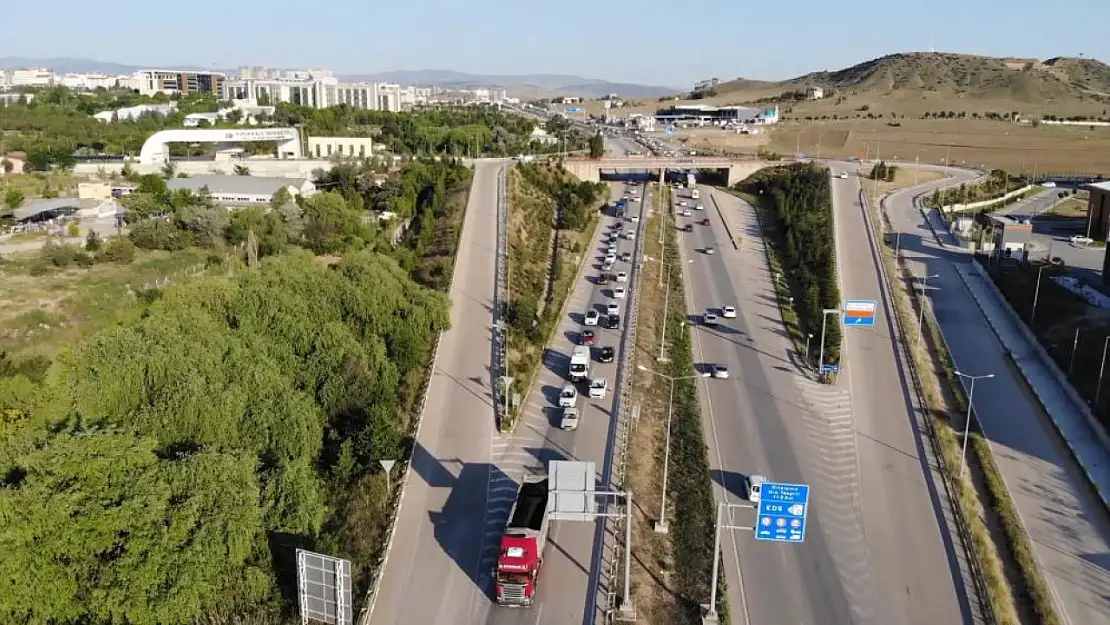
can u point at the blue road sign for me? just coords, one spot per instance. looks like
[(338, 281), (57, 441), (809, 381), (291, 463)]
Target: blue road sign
[(670, 130), (782, 512), (575, 109), (859, 312), (830, 368)]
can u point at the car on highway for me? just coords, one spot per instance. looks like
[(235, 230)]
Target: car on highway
[(682, 202), (842, 175), (569, 420), (618, 225), (753, 484), (709, 318), (602, 279), (606, 266), (705, 222), (568, 397), (610, 259), (700, 207), (612, 249), (728, 312), (686, 213), (1081, 240), (619, 292), (591, 318), (622, 276), (599, 388), (631, 234), (612, 308), (586, 337), (613, 322), (635, 218), (606, 354), (720, 372), (626, 257), (710, 251)]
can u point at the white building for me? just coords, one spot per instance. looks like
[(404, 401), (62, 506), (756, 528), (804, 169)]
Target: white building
[(315, 88), (243, 190), (132, 113), (170, 81), (340, 147), (16, 97), (34, 77), (89, 82)]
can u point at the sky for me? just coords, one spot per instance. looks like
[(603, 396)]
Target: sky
[(650, 42)]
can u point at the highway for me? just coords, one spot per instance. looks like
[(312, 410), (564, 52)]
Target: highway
[(1069, 528), (874, 551), (465, 474)]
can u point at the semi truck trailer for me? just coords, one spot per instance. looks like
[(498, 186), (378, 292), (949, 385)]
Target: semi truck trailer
[(521, 556)]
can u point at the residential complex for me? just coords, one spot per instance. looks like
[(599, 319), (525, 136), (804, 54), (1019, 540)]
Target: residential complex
[(316, 88)]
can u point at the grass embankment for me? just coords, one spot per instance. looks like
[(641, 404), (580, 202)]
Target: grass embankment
[(552, 220), (671, 572), (794, 205), (1011, 580), (1060, 314), (428, 248)]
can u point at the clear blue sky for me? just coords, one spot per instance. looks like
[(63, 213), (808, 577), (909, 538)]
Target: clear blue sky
[(643, 41)]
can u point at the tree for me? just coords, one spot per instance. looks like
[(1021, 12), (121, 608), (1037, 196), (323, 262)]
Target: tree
[(280, 198), (13, 198), (242, 170), (7, 166), (93, 242), (597, 146), (119, 250), (331, 226)]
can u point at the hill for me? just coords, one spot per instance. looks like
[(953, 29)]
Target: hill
[(916, 82)]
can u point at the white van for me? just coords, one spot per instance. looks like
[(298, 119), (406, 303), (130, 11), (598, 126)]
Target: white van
[(753, 484)]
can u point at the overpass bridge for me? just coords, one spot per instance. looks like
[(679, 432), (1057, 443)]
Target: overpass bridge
[(590, 169)]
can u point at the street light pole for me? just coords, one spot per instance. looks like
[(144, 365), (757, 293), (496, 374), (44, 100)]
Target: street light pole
[(1074, 348), (809, 336), (1101, 370), (921, 307), (967, 420), (711, 615), (824, 322), (1036, 295), (661, 523)]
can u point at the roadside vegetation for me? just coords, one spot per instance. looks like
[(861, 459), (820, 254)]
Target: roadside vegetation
[(671, 572), (281, 357), (796, 217), (552, 220), (1010, 578), (997, 184)]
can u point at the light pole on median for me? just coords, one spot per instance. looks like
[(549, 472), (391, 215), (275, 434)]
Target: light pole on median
[(719, 524), (661, 524), (1036, 296), (1101, 370), (824, 322), (967, 420), (809, 337), (921, 306)]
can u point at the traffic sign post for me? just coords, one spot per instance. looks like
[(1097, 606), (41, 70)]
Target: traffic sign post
[(670, 130), (782, 512), (859, 312), (830, 368)]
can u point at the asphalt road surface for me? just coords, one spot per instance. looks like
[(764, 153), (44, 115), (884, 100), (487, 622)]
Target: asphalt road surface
[(874, 551), (441, 532), (1069, 528)]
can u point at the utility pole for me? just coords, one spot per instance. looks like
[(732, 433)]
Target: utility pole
[(1101, 370), (1036, 296), (824, 322), (967, 420)]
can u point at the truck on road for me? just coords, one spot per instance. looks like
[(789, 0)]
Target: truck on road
[(694, 194), (521, 555), (579, 364)]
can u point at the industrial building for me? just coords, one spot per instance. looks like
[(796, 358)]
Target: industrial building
[(1098, 210), (243, 190), (704, 113), (1011, 235)]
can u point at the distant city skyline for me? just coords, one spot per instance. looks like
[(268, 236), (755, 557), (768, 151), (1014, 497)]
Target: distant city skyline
[(647, 42)]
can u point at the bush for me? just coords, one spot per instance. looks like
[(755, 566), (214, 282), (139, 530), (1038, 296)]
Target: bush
[(801, 199), (93, 242), (158, 234), (60, 254), (73, 230), (119, 250)]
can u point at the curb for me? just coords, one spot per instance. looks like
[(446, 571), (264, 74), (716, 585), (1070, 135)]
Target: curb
[(1103, 497), (721, 215)]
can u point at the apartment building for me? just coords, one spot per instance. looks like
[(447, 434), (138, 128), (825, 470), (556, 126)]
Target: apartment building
[(152, 81), (30, 77)]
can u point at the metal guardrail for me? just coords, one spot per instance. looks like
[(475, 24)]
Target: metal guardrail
[(500, 352), (978, 577), (623, 430)]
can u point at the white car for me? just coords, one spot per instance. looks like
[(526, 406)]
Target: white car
[(622, 276), (720, 372), (1082, 240), (710, 319), (752, 485), (686, 213), (631, 234), (700, 207), (610, 258), (606, 266), (599, 388), (635, 219), (626, 257), (843, 175), (568, 397), (613, 309), (728, 312), (710, 251), (569, 421), (682, 202), (618, 292), (612, 249), (592, 317)]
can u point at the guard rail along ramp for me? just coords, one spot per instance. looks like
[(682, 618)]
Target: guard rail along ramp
[(613, 540), (986, 609), (499, 358)]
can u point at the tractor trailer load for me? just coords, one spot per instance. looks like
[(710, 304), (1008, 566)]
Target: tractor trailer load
[(521, 555)]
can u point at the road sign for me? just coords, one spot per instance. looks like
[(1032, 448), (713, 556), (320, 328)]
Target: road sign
[(830, 368), (575, 109), (782, 512), (670, 130), (859, 312)]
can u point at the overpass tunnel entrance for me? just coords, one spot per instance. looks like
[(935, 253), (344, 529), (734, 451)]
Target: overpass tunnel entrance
[(703, 176)]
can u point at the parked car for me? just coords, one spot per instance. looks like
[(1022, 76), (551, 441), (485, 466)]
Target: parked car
[(586, 337), (606, 354), (622, 276), (613, 308), (613, 322)]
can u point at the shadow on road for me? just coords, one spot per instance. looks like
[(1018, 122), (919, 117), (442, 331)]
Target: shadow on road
[(732, 482)]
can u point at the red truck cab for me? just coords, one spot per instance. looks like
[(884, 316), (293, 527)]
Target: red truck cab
[(521, 555)]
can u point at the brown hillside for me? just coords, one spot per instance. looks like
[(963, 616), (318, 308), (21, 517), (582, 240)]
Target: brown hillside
[(931, 80)]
